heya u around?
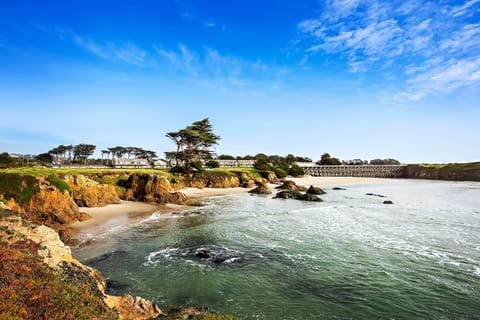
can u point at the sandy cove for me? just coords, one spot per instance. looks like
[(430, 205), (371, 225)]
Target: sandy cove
[(129, 213)]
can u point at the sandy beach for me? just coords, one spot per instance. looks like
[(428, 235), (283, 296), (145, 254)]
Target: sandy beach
[(115, 217), (118, 216)]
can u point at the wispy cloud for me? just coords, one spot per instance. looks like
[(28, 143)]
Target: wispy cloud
[(209, 65), (126, 52), (445, 77), (373, 34), (465, 9)]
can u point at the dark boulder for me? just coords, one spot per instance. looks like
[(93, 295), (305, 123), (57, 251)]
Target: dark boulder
[(308, 197), (315, 190), (203, 254), (375, 195), (288, 194)]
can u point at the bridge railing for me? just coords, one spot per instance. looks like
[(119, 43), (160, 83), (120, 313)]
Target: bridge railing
[(374, 171)]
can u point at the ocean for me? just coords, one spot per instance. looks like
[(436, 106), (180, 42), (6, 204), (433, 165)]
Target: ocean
[(348, 257)]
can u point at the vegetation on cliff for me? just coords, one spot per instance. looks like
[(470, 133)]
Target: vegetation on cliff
[(33, 289), (452, 171)]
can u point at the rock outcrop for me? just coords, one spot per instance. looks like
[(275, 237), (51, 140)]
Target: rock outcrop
[(309, 197), (288, 194), (81, 283), (213, 179), (153, 188), (315, 190), (291, 186), (262, 188), (89, 193)]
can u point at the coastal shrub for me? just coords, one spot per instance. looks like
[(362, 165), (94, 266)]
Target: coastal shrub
[(197, 165), (280, 173), (32, 290), (262, 165), (212, 164), (59, 183), (296, 171), (17, 186), (177, 170)]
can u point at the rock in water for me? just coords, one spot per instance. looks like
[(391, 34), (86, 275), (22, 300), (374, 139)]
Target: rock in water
[(291, 186), (262, 188), (375, 195), (338, 188), (315, 190), (308, 197), (387, 202), (288, 194)]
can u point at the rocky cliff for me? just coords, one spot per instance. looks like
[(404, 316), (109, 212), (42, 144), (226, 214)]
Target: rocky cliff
[(41, 279), (89, 193), (458, 172)]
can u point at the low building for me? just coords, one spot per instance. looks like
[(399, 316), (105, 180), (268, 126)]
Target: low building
[(129, 163)]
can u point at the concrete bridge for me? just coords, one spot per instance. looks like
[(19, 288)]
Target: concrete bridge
[(373, 171)]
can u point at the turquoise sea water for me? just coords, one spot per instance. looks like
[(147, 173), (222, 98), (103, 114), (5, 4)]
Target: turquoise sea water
[(349, 257)]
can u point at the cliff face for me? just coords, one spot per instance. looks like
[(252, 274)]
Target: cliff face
[(41, 279), (89, 193), (153, 188), (458, 172)]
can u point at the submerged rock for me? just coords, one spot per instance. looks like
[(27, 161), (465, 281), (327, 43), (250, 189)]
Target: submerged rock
[(375, 195), (315, 190)]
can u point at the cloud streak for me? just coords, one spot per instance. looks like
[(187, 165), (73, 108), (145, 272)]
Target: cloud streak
[(127, 52), (210, 65), (372, 34)]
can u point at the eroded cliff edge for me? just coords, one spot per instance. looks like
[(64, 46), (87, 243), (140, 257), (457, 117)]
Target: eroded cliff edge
[(39, 277)]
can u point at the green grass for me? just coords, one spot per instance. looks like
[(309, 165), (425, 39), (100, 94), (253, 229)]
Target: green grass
[(18, 186), (59, 183), (468, 165), (43, 172), (252, 172)]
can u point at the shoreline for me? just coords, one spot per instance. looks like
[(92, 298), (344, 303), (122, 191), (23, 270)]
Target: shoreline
[(116, 217)]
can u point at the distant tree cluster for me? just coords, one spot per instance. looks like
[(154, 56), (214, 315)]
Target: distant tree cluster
[(327, 160), (128, 152), (281, 166), (355, 162), (64, 155), (384, 161), (372, 162), (6, 161)]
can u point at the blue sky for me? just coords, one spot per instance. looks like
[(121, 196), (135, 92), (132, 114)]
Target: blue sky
[(355, 78)]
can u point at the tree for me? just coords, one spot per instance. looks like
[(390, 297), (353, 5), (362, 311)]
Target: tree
[(225, 157), (327, 160), (82, 151), (44, 158), (6, 161), (212, 164), (193, 143)]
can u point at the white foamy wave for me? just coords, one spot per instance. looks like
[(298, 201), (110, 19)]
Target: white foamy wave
[(476, 271), (312, 209), (152, 257)]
